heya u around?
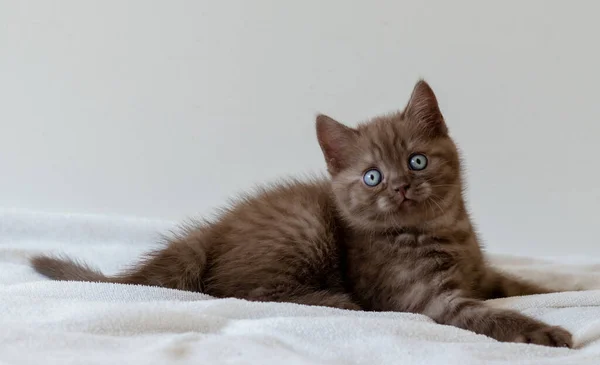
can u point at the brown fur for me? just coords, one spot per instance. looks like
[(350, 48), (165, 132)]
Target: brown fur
[(406, 244)]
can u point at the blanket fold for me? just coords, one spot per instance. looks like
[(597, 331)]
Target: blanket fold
[(45, 322)]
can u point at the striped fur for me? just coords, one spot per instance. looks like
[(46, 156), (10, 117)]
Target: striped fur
[(340, 243)]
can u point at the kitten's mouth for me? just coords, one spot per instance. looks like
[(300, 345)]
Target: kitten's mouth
[(405, 201)]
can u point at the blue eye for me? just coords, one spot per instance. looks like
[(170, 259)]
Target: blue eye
[(417, 162), (372, 177)]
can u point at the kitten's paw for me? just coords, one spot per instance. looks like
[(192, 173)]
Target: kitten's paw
[(547, 336)]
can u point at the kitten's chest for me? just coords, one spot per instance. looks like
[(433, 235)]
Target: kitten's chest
[(398, 261), (371, 254)]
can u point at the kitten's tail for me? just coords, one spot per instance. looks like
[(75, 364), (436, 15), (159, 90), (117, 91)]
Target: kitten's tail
[(179, 265), (65, 269)]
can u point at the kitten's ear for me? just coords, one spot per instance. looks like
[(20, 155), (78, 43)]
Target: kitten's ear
[(423, 108), (337, 142)]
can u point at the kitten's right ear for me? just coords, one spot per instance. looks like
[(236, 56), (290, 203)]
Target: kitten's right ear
[(423, 109), (337, 142)]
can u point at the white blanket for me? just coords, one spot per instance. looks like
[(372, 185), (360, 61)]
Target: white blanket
[(45, 322)]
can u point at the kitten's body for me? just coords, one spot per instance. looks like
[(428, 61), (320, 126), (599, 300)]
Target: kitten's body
[(404, 244)]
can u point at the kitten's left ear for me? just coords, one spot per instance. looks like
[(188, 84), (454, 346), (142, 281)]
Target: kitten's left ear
[(423, 108)]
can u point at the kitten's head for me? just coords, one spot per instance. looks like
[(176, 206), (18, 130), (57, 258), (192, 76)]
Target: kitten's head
[(398, 170)]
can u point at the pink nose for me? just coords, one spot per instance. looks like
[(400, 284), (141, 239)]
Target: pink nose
[(401, 188)]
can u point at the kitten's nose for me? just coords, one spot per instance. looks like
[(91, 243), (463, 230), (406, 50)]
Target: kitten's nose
[(401, 188)]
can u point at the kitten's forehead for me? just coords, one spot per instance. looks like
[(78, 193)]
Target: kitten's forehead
[(388, 136), (391, 139)]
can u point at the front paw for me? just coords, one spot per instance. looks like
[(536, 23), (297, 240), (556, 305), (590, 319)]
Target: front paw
[(545, 335)]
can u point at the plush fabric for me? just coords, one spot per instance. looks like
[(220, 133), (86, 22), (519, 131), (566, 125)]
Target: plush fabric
[(45, 322)]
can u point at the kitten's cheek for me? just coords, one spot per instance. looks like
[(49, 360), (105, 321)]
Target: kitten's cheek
[(423, 193), (353, 201), (383, 204), (425, 196), (419, 197)]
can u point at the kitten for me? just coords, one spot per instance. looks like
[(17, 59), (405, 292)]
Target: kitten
[(388, 232)]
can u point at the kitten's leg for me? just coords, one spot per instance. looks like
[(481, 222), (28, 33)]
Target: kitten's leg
[(500, 285), (307, 297), (452, 308), (326, 299)]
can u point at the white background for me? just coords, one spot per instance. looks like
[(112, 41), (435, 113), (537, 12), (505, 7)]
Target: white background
[(165, 108)]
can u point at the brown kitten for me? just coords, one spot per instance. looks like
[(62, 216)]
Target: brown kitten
[(388, 232)]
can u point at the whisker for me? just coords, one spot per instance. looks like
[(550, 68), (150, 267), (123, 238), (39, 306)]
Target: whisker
[(433, 200)]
